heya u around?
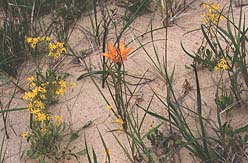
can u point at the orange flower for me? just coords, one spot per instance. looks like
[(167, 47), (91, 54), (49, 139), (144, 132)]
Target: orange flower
[(117, 55)]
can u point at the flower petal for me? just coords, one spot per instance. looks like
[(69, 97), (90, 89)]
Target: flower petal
[(128, 50), (122, 47), (112, 49)]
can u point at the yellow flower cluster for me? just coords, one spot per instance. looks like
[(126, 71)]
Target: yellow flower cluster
[(37, 98), (62, 88), (25, 134), (212, 14), (222, 65), (33, 41), (37, 90), (56, 49), (58, 119), (42, 117)]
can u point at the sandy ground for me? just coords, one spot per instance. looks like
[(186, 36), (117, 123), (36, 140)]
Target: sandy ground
[(85, 104)]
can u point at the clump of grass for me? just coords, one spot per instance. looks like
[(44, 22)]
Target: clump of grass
[(223, 49), (107, 158), (217, 147), (49, 138), (24, 18)]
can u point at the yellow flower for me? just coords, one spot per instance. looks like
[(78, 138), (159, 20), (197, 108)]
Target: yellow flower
[(222, 65), (49, 117), (60, 91), (29, 39), (39, 104), (56, 49), (48, 39), (42, 38), (35, 90), (40, 89), (42, 96), (30, 106), (120, 129), (110, 107), (31, 79), (212, 14), (24, 134), (35, 111), (72, 84), (43, 130), (108, 152), (34, 42), (51, 46), (29, 95), (58, 119), (44, 84), (62, 88), (152, 124), (41, 117), (119, 121), (62, 83), (32, 85)]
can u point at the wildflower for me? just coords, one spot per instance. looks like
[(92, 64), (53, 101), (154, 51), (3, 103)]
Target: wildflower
[(119, 121), (52, 46), (48, 39), (29, 40), (34, 42), (62, 83), (39, 104), (24, 134), (110, 107), (62, 88), (43, 130), (44, 84), (49, 117), (56, 49), (222, 65), (29, 95), (35, 111), (117, 55), (31, 79), (30, 106), (72, 84), (212, 14), (58, 119), (43, 96), (42, 38), (40, 89), (108, 152), (152, 124), (120, 129), (60, 91), (32, 85), (41, 117)]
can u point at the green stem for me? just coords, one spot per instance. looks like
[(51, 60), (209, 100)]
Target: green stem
[(199, 110)]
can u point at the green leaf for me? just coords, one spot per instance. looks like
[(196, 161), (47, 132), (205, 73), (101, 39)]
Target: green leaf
[(89, 74), (74, 136), (241, 129)]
